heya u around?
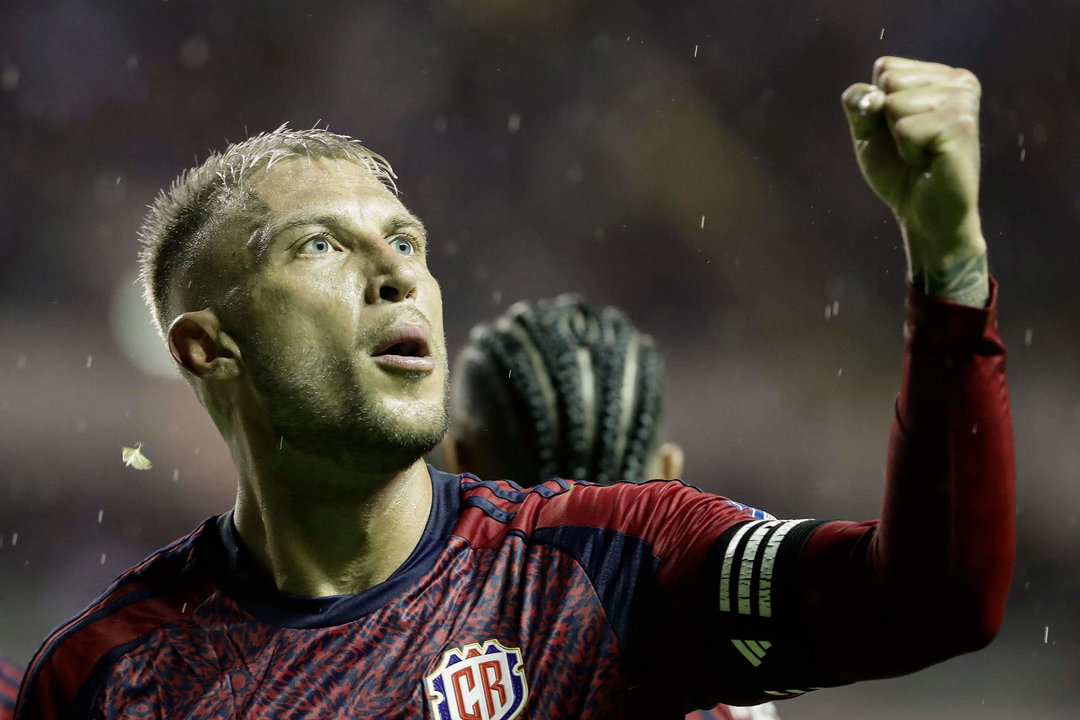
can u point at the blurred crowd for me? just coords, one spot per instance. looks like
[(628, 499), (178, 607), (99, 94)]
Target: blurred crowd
[(687, 162)]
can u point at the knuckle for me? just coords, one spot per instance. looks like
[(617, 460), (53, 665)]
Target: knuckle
[(904, 125), (966, 78), (966, 123), (881, 64)]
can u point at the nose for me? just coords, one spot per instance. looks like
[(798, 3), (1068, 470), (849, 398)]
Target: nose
[(394, 280)]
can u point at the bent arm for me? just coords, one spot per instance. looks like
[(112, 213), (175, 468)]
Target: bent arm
[(798, 605), (930, 580)]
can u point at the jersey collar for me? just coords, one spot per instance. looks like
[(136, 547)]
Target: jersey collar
[(254, 590)]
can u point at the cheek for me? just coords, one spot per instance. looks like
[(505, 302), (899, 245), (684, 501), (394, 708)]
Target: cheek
[(282, 311), (432, 303)]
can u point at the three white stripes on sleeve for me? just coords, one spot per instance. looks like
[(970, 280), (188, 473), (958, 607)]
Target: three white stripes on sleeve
[(741, 595)]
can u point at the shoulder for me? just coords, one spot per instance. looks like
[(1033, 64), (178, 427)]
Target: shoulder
[(75, 658), (651, 511)]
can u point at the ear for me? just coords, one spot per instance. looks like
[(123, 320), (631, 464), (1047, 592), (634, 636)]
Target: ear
[(198, 344), (670, 457)]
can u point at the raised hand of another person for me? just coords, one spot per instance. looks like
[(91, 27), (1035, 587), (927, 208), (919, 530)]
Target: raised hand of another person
[(916, 135)]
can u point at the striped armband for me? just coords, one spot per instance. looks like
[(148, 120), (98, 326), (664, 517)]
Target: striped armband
[(752, 572)]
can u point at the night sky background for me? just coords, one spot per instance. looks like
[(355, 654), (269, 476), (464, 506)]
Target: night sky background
[(550, 146)]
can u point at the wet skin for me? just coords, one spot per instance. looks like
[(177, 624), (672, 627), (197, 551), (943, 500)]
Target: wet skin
[(326, 429)]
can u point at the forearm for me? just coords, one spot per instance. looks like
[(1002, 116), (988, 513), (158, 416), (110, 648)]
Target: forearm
[(930, 580), (954, 268)]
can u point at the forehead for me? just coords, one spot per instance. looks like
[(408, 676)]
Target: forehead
[(299, 185)]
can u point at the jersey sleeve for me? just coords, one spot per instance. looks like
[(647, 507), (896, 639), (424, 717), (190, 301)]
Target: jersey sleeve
[(839, 602), (648, 551)]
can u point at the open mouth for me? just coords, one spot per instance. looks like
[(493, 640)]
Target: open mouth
[(405, 347)]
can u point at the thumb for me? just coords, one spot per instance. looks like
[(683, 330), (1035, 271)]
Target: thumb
[(863, 105)]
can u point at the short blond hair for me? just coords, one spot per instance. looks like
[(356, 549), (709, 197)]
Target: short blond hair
[(203, 196)]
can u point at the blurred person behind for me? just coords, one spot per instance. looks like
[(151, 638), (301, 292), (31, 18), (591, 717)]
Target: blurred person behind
[(563, 389)]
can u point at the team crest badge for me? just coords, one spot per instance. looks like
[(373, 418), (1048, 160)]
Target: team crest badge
[(480, 681)]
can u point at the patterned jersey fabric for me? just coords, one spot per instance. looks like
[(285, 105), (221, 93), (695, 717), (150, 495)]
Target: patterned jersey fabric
[(572, 600), (561, 601), (10, 676)]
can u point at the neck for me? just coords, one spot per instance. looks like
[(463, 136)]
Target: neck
[(323, 526)]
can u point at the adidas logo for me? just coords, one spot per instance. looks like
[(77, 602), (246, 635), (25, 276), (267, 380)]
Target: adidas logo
[(753, 650)]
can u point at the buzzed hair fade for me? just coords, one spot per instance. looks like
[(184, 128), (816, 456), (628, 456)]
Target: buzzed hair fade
[(204, 196)]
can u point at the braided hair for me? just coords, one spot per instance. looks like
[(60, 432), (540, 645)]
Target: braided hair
[(560, 388)]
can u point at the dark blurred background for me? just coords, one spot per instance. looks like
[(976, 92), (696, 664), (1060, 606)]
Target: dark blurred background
[(687, 161)]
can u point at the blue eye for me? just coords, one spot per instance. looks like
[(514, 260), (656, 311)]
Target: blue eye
[(317, 245), (403, 244)]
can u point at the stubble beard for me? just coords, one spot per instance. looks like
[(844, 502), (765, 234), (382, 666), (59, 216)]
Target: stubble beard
[(357, 425)]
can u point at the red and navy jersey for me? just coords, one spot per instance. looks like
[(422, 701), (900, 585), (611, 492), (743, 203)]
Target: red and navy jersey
[(10, 676), (571, 600), (551, 602)]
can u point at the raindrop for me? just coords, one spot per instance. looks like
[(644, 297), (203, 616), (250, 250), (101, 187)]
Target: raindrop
[(1027, 336), (132, 62), (1046, 634), (835, 307), (175, 474), (828, 312), (9, 78), (102, 558), (496, 297), (1023, 154), (702, 222), (100, 515), (14, 539), (695, 51), (281, 442), (183, 608), (882, 35), (975, 429), (839, 372), (513, 123), (89, 361)]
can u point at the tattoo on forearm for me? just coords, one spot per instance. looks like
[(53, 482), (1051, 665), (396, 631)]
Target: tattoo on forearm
[(967, 282)]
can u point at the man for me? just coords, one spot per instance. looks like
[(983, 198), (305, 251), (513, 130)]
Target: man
[(560, 388), (351, 580)]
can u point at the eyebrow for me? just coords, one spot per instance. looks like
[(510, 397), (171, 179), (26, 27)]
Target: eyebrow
[(266, 233)]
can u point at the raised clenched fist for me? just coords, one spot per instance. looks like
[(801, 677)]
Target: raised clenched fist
[(916, 135)]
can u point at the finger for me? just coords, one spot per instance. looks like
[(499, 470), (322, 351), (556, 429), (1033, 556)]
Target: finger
[(920, 137), (863, 105), (957, 79), (901, 64), (922, 99), (896, 80)]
